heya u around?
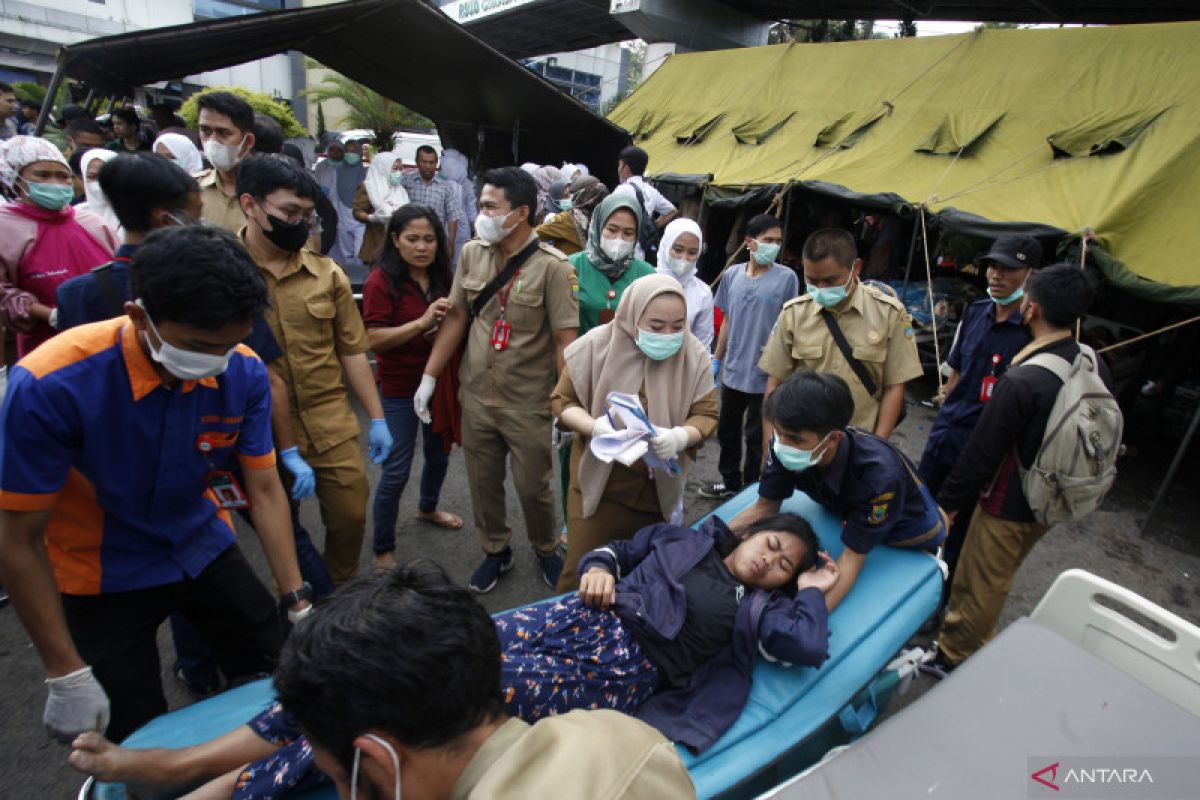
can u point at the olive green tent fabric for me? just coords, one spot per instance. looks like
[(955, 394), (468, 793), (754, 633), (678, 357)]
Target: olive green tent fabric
[(962, 125)]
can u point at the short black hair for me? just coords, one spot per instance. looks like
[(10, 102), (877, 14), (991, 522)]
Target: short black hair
[(240, 113), (519, 188), (6, 88), (404, 651), (71, 111), (137, 183), (127, 115), (834, 243), (636, 159), (426, 149), (29, 103), (259, 175), (268, 134), (290, 150), (760, 224), (83, 125), (1062, 292), (197, 275), (819, 402)]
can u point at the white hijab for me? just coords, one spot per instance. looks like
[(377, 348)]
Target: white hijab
[(676, 228), (96, 201), (384, 196), (186, 155)]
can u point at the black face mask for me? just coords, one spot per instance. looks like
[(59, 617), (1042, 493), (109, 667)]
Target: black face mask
[(287, 236)]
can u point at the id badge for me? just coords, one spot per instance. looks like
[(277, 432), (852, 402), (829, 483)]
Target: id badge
[(228, 493), (501, 330), (986, 387)]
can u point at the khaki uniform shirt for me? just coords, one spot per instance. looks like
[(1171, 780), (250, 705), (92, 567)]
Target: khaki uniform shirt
[(880, 334), (542, 299), (218, 208), (583, 755), (313, 316)]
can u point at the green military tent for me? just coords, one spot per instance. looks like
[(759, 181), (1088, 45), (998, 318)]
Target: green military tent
[(1049, 131)]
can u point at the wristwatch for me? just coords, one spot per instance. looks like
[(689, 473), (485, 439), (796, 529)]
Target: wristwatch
[(305, 592)]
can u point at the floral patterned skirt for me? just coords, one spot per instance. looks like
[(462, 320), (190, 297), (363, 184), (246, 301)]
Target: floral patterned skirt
[(560, 656)]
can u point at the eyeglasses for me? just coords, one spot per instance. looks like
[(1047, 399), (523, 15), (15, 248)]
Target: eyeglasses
[(310, 216)]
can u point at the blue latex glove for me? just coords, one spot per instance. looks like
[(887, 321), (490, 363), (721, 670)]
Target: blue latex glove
[(716, 365), (381, 440), (306, 480)]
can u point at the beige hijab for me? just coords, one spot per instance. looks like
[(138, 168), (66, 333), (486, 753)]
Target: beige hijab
[(607, 359)]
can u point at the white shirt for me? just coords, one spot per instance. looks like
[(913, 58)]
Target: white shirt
[(654, 204), (699, 299)]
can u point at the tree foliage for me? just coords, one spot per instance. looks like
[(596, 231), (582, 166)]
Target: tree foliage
[(368, 109), (261, 102), (823, 30)]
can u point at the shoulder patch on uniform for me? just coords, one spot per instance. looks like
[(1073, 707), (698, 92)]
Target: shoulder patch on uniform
[(879, 508), (552, 250), (804, 297)]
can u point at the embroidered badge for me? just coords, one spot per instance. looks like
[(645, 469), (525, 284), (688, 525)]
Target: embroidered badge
[(879, 508)]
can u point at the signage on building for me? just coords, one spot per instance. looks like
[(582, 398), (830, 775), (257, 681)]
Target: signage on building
[(464, 11)]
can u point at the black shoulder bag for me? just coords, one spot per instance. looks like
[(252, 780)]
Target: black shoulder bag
[(504, 277), (860, 370)]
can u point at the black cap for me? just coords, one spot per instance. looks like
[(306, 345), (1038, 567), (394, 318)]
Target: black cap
[(1015, 251)]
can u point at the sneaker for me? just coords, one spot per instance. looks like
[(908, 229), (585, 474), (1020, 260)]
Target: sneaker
[(716, 491), (552, 567), (485, 577)]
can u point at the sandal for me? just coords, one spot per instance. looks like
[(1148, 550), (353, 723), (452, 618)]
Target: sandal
[(442, 519)]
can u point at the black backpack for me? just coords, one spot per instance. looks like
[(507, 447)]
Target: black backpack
[(649, 234)]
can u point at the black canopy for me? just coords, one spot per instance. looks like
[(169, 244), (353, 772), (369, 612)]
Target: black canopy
[(483, 102)]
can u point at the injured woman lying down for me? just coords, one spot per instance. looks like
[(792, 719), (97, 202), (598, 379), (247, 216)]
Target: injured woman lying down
[(666, 626)]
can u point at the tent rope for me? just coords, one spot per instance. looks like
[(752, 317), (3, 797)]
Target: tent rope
[(933, 198), (927, 70), (1143, 336), (937, 349)]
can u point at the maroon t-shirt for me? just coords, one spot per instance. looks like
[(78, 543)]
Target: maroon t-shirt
[(399, 369)]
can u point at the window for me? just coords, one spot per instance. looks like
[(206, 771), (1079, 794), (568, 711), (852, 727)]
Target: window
[(758, 130), (219, 9), (845, 132), (959, 131), (1102, 133)]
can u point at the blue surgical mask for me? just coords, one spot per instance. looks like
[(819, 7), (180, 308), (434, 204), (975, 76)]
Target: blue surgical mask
[(794, 459), (358, 760), (765, 253), (830, 296), (50, 196), (1012, 298), (659, 346), (351, 159), (566, 204), (396, 178)]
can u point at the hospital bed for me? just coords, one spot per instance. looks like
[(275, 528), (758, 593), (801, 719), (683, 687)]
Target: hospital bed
[(794, 715)]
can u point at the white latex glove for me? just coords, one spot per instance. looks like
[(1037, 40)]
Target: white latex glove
[(77, 703), (669, 443), (602, 426), (381, 217), (423, 396)]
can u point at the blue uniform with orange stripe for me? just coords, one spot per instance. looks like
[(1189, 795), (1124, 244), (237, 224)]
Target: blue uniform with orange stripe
[(90, 432)]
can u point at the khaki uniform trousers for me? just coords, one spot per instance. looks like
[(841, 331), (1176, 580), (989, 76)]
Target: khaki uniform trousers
[(992, 553), (342, 493), (490, 435)]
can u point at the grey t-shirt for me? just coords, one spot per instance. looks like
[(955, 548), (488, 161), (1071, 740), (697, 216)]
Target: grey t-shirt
[(751, 306)]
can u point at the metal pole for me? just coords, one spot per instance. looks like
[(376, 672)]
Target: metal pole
[(51, 92), (912, 249), (1176, 462)]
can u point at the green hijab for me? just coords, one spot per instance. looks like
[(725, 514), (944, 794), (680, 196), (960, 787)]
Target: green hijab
[(613, 270)]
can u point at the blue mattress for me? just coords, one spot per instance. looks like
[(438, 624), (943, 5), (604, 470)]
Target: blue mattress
[(895, 593)]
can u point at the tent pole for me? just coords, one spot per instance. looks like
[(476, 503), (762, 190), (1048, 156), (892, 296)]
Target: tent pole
[(912, 249), (787, 217), (1176, 462), (51, 93)]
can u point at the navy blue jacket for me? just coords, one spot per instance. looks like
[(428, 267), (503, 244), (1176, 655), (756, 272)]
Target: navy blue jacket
[(651, 599)]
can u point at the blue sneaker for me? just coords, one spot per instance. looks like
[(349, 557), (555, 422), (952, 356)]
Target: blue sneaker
[(486, 576), (552, 567)]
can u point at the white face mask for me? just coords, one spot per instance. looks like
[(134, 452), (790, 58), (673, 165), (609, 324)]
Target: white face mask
[(187, 365), (358, 760), (616, 248), (492, 229), (680, 266), (223, 156)]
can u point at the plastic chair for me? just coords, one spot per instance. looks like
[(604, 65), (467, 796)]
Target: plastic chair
[(1128, 631)]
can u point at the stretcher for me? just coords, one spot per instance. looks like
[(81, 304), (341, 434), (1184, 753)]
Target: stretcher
[(794, 715)]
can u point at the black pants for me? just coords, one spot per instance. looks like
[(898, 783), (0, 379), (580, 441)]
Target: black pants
[(936, 463), (741, 417), (116, 634)]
